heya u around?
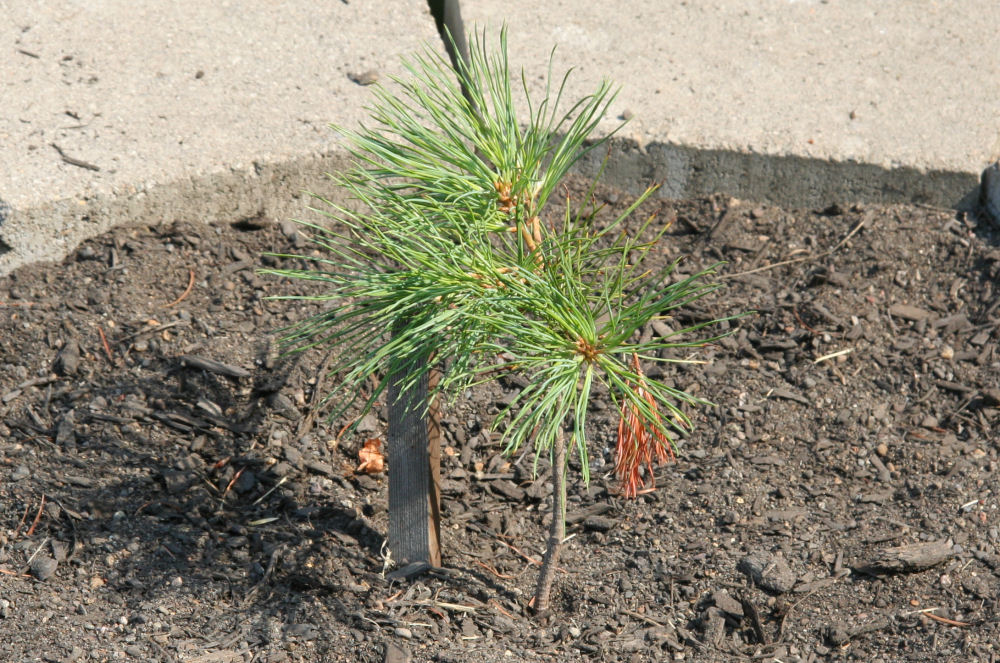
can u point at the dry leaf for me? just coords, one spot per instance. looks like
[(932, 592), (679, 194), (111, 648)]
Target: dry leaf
[(372, 460)]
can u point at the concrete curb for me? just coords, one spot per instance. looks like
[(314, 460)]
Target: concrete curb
[(791, 181), (275, 190), (218, 112), (280, 191)]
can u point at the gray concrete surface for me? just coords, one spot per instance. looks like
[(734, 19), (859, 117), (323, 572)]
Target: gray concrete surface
[(219, 110)]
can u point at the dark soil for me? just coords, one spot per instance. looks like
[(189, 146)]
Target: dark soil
[(839, 502)]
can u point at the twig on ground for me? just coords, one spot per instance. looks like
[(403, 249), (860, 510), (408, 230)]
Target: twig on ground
[(107, 347), (494, 571), (641, 617), (8, 572), (270, 490), (231, 482), (496, 604), (944, 620), (27, 508), (38, 516), (152, 330), (833, 355), (307, 422), (34, 554), (532, 560), (74, 161), (793, 261), (187, 290)]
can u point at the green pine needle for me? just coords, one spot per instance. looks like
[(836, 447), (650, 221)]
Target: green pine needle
[(453, 257)]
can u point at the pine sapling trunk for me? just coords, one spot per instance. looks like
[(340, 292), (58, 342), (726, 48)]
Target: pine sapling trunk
[(557, 530)]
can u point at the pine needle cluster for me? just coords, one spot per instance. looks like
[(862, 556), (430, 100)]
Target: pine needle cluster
[(450, 251)]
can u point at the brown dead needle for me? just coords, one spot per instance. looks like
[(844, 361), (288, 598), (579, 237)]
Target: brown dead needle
[(943, 620), (107, 346), (38, 516), (232, 482), (187, 290)]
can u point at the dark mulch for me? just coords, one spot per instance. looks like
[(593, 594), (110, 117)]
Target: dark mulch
[(165, 495)]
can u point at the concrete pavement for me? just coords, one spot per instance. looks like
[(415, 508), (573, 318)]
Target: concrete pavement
[(115, 112)]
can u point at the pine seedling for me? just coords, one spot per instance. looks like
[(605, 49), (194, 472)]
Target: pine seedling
[(450, 251)]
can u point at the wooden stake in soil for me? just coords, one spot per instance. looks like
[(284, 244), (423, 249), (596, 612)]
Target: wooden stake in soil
[(557, 530), (414, 511), (415, 444)]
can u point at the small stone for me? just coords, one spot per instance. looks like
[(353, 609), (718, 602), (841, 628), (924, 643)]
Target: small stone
[(728, 604), (366, 482), (282, 469), (304, 631), (769, 571), (469, 629), (293, 456), (66, 430), (68, 361), (396, 654), (245, 483), (86, 253), (369, 77), (60, 550), (729, 517), (598, 524), (882, 449), (284, 406), (20, 472), (404, 632), (43, 567), (368, 423), (975, 585), (177, 481)]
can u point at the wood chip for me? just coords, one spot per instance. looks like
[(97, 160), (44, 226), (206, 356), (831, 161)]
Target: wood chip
[(908, 558), (790, 395), (212, 366), (907, 312), (769, 571)]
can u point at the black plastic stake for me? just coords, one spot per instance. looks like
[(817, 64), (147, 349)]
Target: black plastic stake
[(415, 441), (414, 476)]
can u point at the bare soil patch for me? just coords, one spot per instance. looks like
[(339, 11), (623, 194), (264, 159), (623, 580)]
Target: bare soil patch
[(165, 494)]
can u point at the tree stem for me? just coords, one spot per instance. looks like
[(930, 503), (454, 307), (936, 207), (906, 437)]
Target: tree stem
[(557, 530)]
